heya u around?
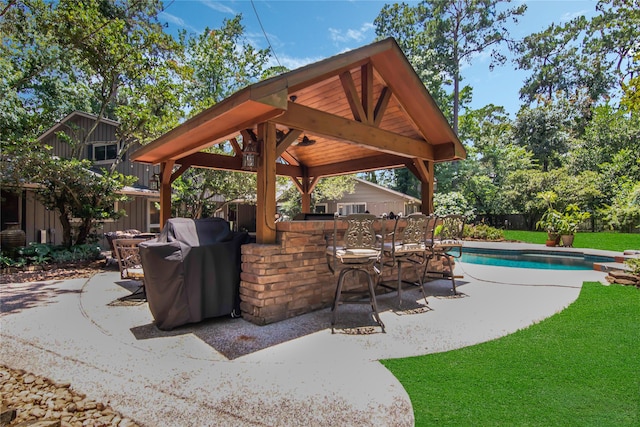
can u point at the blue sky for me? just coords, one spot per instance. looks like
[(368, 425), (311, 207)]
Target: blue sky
[(305, 31)]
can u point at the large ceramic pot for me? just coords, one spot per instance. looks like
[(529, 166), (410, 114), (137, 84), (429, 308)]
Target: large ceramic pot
[(13, 237), (567, 240)]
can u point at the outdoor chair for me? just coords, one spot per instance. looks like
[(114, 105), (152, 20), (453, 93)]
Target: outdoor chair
[(359, 254), (413, 247), (447, 244), (130, 265)]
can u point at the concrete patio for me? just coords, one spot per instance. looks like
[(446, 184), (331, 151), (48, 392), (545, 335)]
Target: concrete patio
[(294, 372)]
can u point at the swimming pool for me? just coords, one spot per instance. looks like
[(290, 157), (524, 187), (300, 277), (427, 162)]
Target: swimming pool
[(542, 260)]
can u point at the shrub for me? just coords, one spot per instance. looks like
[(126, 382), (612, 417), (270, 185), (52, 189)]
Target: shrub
[(483, 232), (42, 254)]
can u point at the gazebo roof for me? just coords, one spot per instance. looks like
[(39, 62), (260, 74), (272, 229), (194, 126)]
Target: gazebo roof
[(366, 109)]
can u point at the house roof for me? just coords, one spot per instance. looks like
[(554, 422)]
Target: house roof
[(366, 109), (390, 191), (58, 126)]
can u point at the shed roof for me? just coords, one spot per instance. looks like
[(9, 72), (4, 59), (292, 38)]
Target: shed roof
[(366, 109)]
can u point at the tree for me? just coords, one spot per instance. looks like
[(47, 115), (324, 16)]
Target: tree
[(613, 37), (199, 193), (219, 63), (545, 131), (222, 62), (108, 58), (558, 64), (450, 33), (453, 203), (68, 187)]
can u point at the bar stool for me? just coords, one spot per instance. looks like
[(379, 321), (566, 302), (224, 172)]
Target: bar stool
[(413, 246), (358, 255), (448, 245)]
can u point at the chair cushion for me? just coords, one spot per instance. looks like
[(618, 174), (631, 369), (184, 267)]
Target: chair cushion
[(134, 273)]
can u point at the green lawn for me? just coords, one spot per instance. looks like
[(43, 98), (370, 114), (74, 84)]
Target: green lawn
[(580, 367), (606, 241)]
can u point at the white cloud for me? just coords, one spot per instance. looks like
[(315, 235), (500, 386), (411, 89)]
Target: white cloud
[(350, 34), (218, 7), (292, 62)]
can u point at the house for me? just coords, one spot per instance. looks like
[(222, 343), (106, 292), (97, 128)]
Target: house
[(372, 198), (41, 225), (366, 197)]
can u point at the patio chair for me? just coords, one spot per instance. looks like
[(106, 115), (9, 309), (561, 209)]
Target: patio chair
[(446, 245), (130, 265), (413, 246), (358, 255)]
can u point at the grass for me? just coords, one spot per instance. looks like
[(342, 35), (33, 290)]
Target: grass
[(579, 367), (603, 240)]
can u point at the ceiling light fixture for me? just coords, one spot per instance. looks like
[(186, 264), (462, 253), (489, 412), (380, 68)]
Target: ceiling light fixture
[(306, 141)]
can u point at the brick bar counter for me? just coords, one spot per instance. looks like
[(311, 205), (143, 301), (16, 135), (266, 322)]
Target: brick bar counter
[(291, 277)]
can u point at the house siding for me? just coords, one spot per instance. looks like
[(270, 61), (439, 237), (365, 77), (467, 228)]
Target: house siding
[(38, 218), (34, 217)]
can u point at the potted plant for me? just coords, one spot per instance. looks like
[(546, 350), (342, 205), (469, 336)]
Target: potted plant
[(568, 223), (550, 223), (550, 219)]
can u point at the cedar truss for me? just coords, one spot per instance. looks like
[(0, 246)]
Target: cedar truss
[(366, 109)]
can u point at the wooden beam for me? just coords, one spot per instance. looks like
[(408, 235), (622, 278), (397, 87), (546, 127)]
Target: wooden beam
[(313, 183), (366, 84), (232, 163), (350, 131), (384, 161), (288, 139), (213, 161), (351, 93), (424, 172), (182, 169), (290, 159), (381, 106), (236, 147), (445, 152), (266, 177)]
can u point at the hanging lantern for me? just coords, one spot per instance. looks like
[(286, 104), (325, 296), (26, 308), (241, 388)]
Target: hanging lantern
[(154, 182), (250, 156)]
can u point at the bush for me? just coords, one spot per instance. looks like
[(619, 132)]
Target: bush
[(483, 232), (43, 254)]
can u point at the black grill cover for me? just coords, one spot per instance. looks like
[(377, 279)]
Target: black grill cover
[(192, 271)]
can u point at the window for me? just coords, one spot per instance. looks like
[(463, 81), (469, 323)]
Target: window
[(320, 208), (410, 208), (105, 152), (351, 208), (153, 216)]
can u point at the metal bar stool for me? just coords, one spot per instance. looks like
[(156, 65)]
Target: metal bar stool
[(447, 245), (358, 255), (413, 246)]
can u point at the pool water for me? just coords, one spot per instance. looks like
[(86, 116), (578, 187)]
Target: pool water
[(529, 260)]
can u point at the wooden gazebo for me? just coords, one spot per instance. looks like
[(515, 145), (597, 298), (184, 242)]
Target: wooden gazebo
[(366, 109)]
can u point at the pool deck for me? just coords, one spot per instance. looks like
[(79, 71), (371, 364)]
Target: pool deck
[(294, 372)]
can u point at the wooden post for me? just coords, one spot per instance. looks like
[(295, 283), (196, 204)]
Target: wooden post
[(165, 192), (266, 177), (427, 190)]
